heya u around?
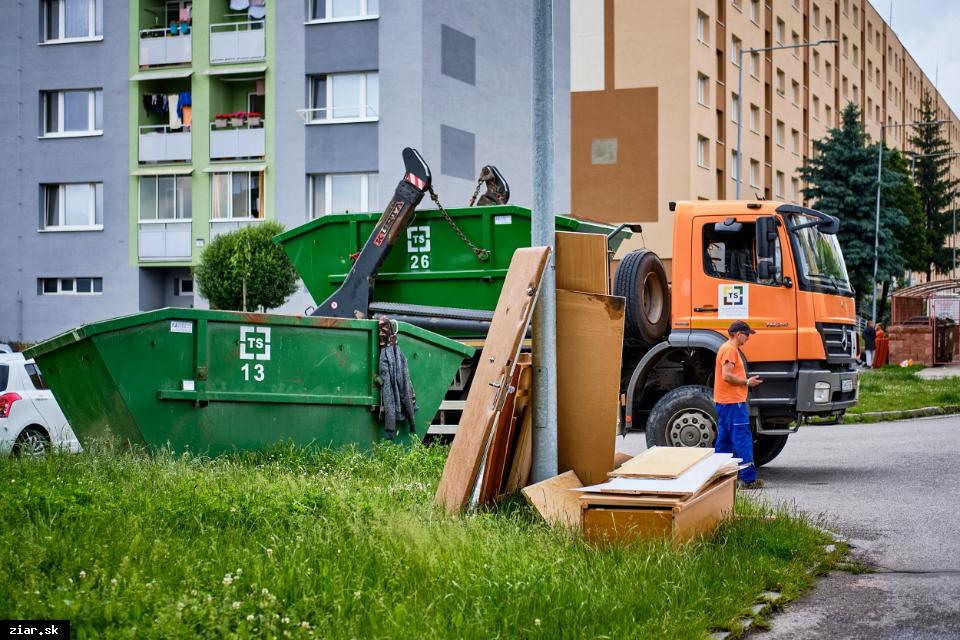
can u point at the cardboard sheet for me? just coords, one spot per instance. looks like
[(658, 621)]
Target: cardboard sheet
[(687, 484)]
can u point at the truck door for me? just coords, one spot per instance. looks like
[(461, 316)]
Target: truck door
[(726, 287)]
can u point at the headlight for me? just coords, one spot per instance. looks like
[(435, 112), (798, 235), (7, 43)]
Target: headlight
[(821, 392)]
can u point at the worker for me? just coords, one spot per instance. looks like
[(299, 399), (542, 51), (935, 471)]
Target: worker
[(869, 342), (730, 385)]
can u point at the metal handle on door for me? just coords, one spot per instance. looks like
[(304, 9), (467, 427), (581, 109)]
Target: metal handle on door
[(704, 309)]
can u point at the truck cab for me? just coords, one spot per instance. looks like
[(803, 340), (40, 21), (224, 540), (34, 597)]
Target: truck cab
[(778, 267)]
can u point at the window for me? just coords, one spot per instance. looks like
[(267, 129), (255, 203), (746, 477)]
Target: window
[(781, 82), (703, 89), (69, 286), (778, 133), (869, 31), (795, 190), (344, 96), (828, 25), (816, 17), (829, 72), (778, 184), (735, 166), (342, 192), (735, 47), (754, 118), (72, 113), (755, 11), (36, 379), (703, 152), (65, 20), (829, 111), (795, 92), (703, 27), (856, 56), (71, 207), (795, 41), (781, 31), (334, 10), (729, 251), (844, 43), (755, 64), (844, 84), (816, 108), (236, 195), (855, 93), (166, 198), (754, 173), (846, 7), (856, 16), (735, 107), (816, 63), (795, 137), (183, 287)]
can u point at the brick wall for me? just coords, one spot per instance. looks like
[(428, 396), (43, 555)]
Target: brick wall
[(911, 342)]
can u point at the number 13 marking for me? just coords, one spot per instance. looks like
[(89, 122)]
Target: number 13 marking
[(258, 372)]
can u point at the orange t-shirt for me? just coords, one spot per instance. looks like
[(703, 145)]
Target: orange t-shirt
[(723, 391)]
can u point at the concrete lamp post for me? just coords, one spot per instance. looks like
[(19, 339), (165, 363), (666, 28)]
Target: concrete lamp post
[(876, 229), (802, 45)]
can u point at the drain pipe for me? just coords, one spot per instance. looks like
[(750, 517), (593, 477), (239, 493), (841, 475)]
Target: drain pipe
[(542, 234)]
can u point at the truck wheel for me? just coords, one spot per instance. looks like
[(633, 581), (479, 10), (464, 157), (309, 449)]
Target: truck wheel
[(684, 417), (766, 448), (642, 280)]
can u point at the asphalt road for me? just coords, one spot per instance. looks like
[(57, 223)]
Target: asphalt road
[(892, 490)]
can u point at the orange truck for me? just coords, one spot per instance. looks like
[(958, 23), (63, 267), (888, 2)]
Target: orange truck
[(776, 266)]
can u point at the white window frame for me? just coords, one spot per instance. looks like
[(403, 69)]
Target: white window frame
[(754, 173), (754, 118), (703, 28), (95, 7), (703, 89), (365, 13), (156, 203), (735, 166), (778, 133), (311, 113), (734, 107), (781, 31), (778, 184), (795, 92), (755, 65), (91, 115), (703, 152), (61, 187), (755, 11), (229, 208), (816, 63), (795, 142), (781, 82), (736, 46), (328, 192), (178, 287), (61, 292)]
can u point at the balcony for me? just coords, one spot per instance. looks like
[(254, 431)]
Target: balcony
[(160, 143), (219, 226), (164, 239), (237, 42), (232, 139), (160, 47)]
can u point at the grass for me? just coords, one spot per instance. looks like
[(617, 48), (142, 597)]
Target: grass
[(347, 545), (898, 389)]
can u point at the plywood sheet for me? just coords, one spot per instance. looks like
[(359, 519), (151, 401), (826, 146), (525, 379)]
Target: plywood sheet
[(493, 375), (701, 514), (662, 462), (503, 443), (645, 499), (554, 500), (589, 348), (582, 262), (688, 484), (523, 455)]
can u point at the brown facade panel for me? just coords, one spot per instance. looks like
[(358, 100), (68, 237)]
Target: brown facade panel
[(615, 181)]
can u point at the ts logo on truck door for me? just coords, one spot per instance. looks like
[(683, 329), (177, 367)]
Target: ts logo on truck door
[(733, 301), (254, 345)]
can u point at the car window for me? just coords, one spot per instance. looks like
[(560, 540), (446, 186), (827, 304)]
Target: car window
[(34, 372), (4, 376), (729, 252)]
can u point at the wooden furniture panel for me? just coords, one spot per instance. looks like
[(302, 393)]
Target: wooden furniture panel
[(662, 462), (554, 500), (582, 262)]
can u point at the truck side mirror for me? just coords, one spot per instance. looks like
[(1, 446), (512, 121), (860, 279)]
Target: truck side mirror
[(766, 248)]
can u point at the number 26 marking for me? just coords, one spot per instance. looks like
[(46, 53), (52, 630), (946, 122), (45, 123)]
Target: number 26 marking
[(258, 372), (420, 261)]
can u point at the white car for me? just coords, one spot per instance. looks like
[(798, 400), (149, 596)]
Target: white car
[(31, 422)]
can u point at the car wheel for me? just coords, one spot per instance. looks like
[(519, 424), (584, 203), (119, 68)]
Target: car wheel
[(684, 417), (31, 442)]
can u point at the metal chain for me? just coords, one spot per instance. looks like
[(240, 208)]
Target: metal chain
[(476, 192), (482, 254)]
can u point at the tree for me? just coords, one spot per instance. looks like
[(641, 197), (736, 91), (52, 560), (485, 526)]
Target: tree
[(244, 270), (842, 182), (935, 186), (901, 215)]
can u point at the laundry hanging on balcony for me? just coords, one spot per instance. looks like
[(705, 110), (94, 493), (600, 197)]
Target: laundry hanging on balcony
[(258, 9), (239, 5)]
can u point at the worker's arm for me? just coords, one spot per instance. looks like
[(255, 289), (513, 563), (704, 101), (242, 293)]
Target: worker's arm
[(728, 376)]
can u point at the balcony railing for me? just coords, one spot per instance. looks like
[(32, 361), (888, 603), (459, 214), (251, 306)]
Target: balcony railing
[(220, 226), (160, 143), (159, 47), (342, 113), (237, 41), (247, 141), (164, 239)]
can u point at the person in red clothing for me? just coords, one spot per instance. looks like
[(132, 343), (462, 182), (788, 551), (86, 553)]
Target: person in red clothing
[(730, 385)]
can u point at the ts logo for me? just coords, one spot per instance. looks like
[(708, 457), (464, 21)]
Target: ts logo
[(254, 343), (733, 295)]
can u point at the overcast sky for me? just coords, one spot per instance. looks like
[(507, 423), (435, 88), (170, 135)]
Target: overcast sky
[(930, 30)]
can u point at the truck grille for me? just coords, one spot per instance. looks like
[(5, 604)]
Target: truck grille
[(839, 341)]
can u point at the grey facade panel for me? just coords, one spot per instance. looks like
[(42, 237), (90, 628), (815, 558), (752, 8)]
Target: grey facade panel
[(342, 46), (458, 53), (290, 192), (457, 153), (340, 148)]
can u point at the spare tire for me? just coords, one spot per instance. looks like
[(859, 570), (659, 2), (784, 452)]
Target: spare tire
[(642, 280)]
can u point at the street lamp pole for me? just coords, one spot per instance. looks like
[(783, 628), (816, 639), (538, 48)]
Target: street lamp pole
[(740, 95), (876, 228)]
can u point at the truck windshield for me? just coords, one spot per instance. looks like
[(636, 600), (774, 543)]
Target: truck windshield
[(819, 258)]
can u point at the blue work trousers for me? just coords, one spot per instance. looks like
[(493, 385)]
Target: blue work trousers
[(733, 436)]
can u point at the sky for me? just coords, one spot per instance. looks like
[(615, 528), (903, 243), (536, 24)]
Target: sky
[(930, 31)]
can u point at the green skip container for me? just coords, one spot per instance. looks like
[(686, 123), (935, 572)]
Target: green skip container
[(213, 382), (430, 265)]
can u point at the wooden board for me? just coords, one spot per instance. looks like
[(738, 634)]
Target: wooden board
[(522, 462), (554, 500), (502, 445), (493, 375), (643, 499), (702, 513), (688, 484), (662, 462), (582, 262), (589, 348)]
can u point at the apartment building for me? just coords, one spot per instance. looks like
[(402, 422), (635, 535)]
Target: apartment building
[(141, 130), (656, 99)]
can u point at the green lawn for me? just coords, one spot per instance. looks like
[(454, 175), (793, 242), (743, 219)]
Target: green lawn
[(896, 388), (348, 545)]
